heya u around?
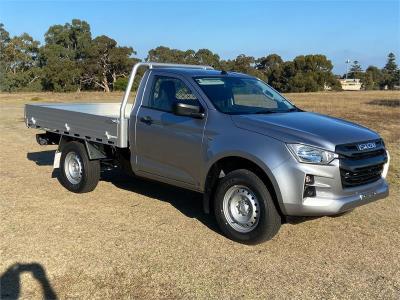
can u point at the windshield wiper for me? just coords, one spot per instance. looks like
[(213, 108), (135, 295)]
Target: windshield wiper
[(265, 111), (268, 111)]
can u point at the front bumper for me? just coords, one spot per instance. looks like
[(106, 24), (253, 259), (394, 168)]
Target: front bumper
[(318, 206), (331, 198)]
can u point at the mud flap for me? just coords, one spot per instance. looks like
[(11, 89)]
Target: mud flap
[(57, 154), (57, 157)]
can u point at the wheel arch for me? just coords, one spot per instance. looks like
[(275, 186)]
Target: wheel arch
[(95, 151), (232, 162)]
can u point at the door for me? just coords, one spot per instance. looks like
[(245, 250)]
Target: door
[(167, 145)]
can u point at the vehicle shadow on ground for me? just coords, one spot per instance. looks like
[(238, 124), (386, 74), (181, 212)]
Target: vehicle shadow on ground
[(292, 220), (187, 202), (42, 158), (10, 281)]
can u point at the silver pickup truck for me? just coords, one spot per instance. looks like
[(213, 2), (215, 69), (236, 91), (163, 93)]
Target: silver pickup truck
[(255, 156)]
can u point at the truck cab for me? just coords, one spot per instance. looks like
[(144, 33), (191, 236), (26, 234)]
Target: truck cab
[(254, 155)]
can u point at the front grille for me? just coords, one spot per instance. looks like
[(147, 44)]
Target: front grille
[(361, 176), (361, 167), (365, 155)]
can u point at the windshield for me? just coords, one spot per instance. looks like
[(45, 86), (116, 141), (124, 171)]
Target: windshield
[(234, 95)]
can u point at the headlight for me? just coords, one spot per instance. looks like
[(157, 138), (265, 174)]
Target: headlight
[(311, 155)]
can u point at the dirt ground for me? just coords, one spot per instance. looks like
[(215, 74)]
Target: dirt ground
[(137, 239)]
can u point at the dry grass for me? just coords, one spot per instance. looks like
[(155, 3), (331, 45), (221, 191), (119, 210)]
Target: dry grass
[(138, 239)]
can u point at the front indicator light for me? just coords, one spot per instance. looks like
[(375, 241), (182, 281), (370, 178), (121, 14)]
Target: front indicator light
[(386, 166), (309, 179)]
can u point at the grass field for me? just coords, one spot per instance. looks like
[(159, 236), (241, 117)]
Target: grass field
[(138, 239)]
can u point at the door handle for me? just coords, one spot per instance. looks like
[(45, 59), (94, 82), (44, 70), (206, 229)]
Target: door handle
[(147, 120)]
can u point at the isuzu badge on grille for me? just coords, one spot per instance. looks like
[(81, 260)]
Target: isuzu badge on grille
[(366, 146)]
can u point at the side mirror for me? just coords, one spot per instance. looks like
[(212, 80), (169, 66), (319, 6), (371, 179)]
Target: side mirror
[(188, 109)]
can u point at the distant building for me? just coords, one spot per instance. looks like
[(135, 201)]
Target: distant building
[(351, 84)]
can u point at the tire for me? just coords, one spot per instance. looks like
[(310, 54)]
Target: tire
[(77, 173), (244, 208)]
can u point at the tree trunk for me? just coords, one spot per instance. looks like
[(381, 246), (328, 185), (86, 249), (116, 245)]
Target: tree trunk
[(105, 85), (114, 77)]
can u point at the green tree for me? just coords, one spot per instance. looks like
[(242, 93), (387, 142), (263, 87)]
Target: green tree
[(373, 78), (207, 57), (74, 36), (164, 54), (269, 62), (273, 68), (391, 72), (106, 63), (356, 70), (19, 62), (72, 60), (64, 56), (303, 82), (391, 65), (160, 54), (311, 73), (61, 72), (243, 64), (4, 40)]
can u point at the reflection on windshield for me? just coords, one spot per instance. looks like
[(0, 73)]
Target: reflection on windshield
[(235, 95)]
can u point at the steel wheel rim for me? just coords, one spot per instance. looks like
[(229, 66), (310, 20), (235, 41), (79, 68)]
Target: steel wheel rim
[(241, 208), (73, 167)]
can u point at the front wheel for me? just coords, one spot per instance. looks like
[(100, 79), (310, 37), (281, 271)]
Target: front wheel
[(244, 208), (77, 173)]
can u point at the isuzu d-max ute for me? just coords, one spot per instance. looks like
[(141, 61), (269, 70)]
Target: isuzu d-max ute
[(255, 156)]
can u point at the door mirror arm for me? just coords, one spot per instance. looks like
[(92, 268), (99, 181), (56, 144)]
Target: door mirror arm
[(199, 115)]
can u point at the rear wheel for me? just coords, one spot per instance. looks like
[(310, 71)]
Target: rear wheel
[(77, 173), (244, 208)]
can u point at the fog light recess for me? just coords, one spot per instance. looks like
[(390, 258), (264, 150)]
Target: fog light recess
[(309, 189)]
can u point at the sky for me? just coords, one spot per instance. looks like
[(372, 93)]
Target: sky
[(357, 30)]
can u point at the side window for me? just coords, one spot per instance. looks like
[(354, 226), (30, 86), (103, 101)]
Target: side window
[(166, 91)]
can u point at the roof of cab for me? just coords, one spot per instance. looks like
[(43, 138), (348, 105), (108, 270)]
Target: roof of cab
[(201, 72)]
